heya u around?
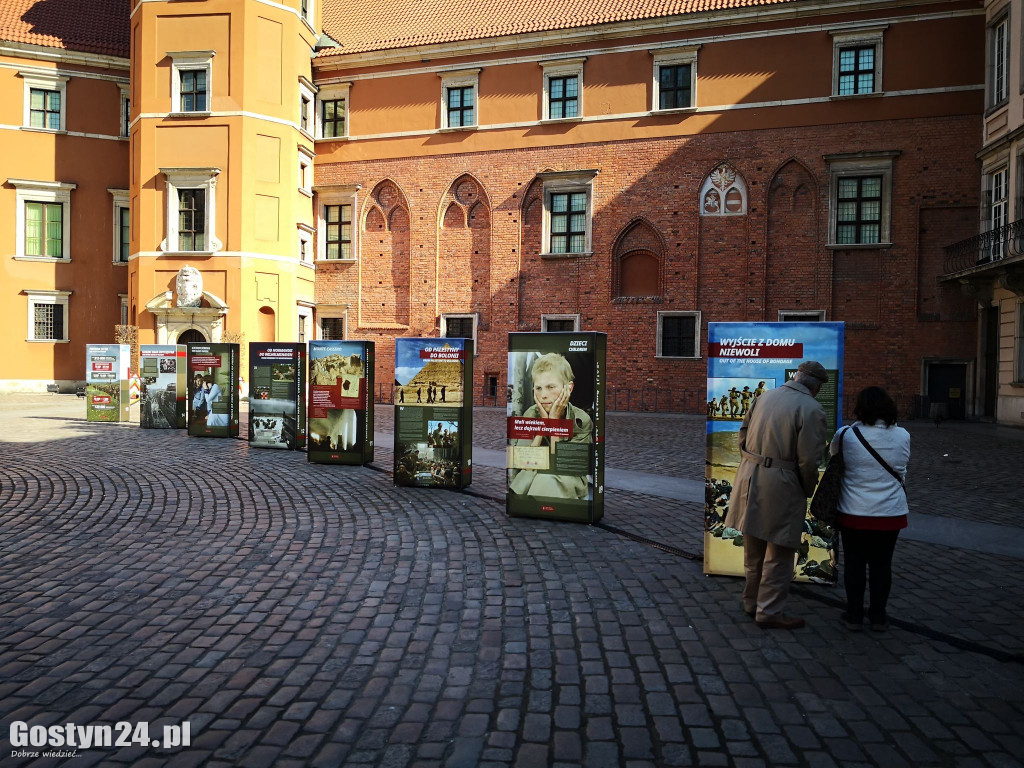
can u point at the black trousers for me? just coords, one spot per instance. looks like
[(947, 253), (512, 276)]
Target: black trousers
[(868, 552)]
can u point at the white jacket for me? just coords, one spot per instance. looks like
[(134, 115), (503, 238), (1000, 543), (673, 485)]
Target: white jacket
[(868, 490)]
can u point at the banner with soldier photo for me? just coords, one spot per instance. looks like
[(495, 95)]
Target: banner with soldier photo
[(555, 425), (277, 397), (340, 407), (433, 412), (746, 360), (106, 382), (213, 390), (163, 385)]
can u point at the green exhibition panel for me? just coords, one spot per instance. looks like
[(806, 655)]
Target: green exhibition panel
[(106, 382), (340, 407), (163, 379), (277, 395), (213, 390), (555, 425), (434, 412)]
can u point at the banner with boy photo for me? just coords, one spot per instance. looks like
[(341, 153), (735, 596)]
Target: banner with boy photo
[(213, 390), (744, 361)]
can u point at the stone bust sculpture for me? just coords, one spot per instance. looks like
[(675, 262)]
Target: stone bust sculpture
[(189, 287)]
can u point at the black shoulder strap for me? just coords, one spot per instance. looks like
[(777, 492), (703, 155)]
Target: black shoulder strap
[(878, 458)]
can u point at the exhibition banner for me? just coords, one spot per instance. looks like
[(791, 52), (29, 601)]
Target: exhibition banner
[(341, 376), (106, 382), (745, 360), (277, 401), (555, 425), (163, 385), (213, 390), (434, 412)]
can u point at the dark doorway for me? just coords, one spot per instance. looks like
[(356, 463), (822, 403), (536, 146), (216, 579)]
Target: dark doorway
[(947, 383), (191, 336), (990, 360)]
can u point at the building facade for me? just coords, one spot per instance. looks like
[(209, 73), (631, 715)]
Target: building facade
[(335, 170)]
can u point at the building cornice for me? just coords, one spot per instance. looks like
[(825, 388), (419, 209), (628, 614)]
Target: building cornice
[(62, 55)]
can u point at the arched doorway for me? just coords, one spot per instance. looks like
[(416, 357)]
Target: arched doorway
[(191, 336)]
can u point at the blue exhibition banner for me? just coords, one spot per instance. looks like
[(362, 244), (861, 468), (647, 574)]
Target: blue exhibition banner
[(744, 361)]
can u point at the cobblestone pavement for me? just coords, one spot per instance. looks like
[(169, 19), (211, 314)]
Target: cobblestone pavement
[(297, 614)]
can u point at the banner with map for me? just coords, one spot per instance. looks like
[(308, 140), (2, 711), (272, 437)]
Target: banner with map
[(434, 412), (213, 390), (340, 406), (277, 412), (163, 384), (745, 360), (106, 382)]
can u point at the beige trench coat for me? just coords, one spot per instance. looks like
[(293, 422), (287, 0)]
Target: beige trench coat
[(786, 425)]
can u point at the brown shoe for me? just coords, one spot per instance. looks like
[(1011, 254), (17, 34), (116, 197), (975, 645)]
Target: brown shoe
[(780, 622)]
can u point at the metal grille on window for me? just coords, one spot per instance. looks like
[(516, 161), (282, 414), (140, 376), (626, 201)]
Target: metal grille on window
[(458, 327), (856, 70), (191, 219), (674, 87), (124, 246), (460, 106), (563, 94), (339, 231), (569, 222), (44, 230), (193, 90), (679, 336), (333, 118), (332, 328), (48, 322), (859, 210), (44, 109)]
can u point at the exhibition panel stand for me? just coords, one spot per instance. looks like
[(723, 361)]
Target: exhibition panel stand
[(277, 395), (433, 412), (106, 382), (163, 386), (341, 376), (213, 390), (555, 429)]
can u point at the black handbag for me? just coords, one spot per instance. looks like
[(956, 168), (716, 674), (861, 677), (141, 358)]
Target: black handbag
[(825, 503)]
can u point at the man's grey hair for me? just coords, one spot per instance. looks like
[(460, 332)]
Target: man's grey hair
[(811, 382)]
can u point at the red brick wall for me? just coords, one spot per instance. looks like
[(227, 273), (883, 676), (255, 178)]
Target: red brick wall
[(729, 268)]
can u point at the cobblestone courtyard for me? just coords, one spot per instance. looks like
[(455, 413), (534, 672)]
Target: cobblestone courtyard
[(298, 614)]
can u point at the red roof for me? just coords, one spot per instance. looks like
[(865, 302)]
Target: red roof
[(387, 24), (90, 26)]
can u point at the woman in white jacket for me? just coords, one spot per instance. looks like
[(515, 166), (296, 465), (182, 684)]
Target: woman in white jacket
[(872, 503)]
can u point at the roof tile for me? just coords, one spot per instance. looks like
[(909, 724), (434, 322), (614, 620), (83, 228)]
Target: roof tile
[(90, 26)]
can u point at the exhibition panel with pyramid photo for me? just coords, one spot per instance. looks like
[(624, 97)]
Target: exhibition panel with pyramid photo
[(341, 376), (434, 412)]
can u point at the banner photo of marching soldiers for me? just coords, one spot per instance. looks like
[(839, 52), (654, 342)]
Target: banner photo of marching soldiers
[(341, 376), (213, 390), (163, 385), (555, 425), (745, 360), (106, 382), (277, 395), (433, 412)]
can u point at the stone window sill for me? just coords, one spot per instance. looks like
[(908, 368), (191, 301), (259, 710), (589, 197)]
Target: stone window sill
[(566, 255), (44, 259), (670, 112), (857, 246), (855, 96), (48, 341), (336, 261)]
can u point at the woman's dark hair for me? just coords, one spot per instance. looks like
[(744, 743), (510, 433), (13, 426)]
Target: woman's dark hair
[(874, 403)]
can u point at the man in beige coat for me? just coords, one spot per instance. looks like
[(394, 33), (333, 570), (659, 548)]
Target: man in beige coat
[(781, 441)]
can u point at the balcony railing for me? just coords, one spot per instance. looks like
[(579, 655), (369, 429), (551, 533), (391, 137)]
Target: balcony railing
[(987, 248)]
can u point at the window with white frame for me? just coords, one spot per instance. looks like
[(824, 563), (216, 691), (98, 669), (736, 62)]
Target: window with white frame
[(459, 326), (307, 106), (126, 110), (42, 220), (568, 212), (860, 198), (191, 222), (45, 100), (801, 315), (303, 323), (121, 226), (47, 315), (335, 233), (123, 299), (191, 81), (332, 110), (332, 328), (555, 323), (306, 9), (459, 98), (305, 171), (563, 89), (675, 79), (678, 334), (857, 62), (1019, 346), (999, 59), (998, 211), (305, 238)]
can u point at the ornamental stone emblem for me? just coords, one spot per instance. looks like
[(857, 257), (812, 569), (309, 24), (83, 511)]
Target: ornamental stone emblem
[(189, 287)]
